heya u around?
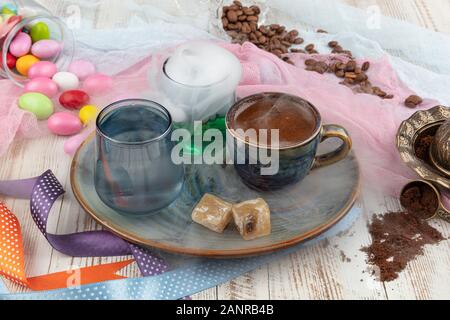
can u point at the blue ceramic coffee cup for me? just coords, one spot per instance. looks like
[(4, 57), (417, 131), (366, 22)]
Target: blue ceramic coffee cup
[(293, 162)]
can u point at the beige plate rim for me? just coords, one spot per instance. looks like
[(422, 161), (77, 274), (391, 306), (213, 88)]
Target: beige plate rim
[(237, 253)]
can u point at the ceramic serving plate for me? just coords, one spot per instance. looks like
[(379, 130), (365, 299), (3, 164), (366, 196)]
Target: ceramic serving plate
[(299, 213)]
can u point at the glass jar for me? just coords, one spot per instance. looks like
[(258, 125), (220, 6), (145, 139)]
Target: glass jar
[(58, 31), (28, 8)]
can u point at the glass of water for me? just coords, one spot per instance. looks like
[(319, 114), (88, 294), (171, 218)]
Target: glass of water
[(134, 172)]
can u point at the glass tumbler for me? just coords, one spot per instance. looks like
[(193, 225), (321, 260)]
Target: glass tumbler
[(134, 172)]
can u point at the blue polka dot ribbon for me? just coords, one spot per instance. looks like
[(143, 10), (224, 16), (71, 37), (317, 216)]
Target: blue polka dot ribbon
[(186, 276)]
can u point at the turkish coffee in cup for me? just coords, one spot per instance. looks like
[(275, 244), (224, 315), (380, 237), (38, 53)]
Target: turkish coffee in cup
[(288, 130)]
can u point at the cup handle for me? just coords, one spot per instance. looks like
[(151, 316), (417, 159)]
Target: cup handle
[(334, 131)]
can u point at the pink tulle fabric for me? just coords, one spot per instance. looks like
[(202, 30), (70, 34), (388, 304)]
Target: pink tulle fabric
[(371, 121)]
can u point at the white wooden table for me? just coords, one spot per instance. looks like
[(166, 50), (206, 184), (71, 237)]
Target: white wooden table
[(334, 269)]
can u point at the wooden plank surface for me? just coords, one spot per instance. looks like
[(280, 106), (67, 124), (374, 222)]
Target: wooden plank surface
[(333, 269)]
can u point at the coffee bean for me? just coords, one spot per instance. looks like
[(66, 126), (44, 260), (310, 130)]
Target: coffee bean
[(232, 26), (232, 16), (299, 41), (256, 9), (340, 66), (262, 39), (365, 66), (281, 29), (237, 3), (309, 47), (351, 66), (252, 18), (246, 28), (248, 11), (225, 22), (340, 73), (321, 31), (293, 33), (377, 91), (310, 62), (413, 101), (333, 44), (242, 18), (337, 49), (361, 77)]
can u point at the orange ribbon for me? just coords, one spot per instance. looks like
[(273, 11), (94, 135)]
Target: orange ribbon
[(12, 262)]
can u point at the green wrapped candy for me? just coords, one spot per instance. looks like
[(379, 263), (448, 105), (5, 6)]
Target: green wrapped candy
[(38, 104), (40, 31)]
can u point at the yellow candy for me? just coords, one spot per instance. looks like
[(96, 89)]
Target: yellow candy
[(88, 113), (24, 63)]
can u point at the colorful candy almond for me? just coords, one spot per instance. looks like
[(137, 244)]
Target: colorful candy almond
[(24, 64), (45, 69), (42, 85), (74, 99), (88, 114), (46, 49), (66, 81), (38, 104), (21, 45), (82, 69), (40, 31), (10, 60), (97, 83), (64, 124)]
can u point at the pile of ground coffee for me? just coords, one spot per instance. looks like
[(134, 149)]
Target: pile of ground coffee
[(397, 239)]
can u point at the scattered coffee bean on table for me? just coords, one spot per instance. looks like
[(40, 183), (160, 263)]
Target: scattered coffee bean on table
[(413, 101), (241, 24), (397, 239)]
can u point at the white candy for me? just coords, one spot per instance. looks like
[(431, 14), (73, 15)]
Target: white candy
[(66, 81)]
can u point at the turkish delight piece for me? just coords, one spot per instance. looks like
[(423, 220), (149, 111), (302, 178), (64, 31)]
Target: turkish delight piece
[(213, 213), (252, 218)]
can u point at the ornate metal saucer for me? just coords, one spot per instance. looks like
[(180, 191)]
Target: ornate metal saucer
[(440, 149), (407, 135)]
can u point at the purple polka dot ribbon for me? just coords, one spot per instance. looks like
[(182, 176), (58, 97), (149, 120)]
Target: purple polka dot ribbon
[(43, 192)]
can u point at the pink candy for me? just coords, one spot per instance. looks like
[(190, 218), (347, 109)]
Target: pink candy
[(82, 69), (21, 45), (42, 85), (44, 69), (97, 83), (46, 49), (64, 124)]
